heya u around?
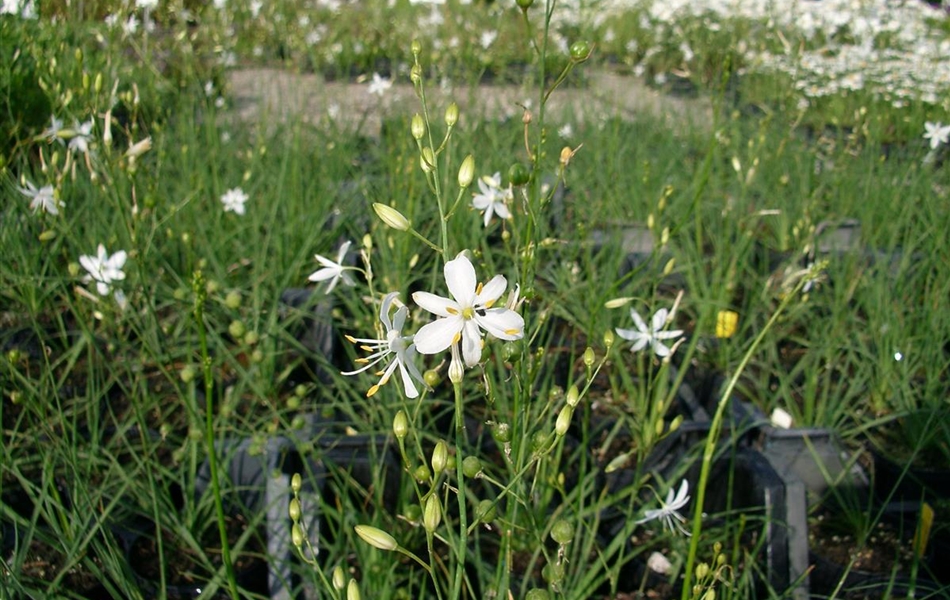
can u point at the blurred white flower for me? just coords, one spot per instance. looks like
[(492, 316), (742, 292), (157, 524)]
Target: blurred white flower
[(487, 39), (104, 269), (52, 132), (379, 85), (659, 563), (937, 133), (233, 200), (653, 335), (393, 344), (82, 133), (667, 512), (468, 312), (333, 271), (42, 198), (492, 198), (146, 4)]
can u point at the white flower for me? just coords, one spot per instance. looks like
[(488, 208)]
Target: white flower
[(44, 198), (659, 563), (937, 133), (233, 200), (380, 85), (333, 271), (146, 4), (81, 135), (487, 38), (467, 314), (104, 269), (672, 520), (492, 198), (653, 335), (52, 132), (393, 344)]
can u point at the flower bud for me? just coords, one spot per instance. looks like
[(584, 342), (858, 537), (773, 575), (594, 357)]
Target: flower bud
[(47, 235), (391, 217), (294, 510), (417, 126), (353, 590), (452, 114), (702, 570), (573, 395), (401, 424), (456, 370), (415, 74), (296, 483), (188, 373), (467, 171), (376, 538), (432, 514), (617, 302), (562, 532), (563, 421), (427, 160), (339, 578), (139, 148), (589, 357), (608, 339), (296, 535), (440, 456), (415, 47)]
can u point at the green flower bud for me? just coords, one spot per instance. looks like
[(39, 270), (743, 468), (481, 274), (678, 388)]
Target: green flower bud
[(376, 538), (296, 483), (353, 590), (485, 511), (339, 578), (47, 235), (417, 127), (609, 338), (589, 357), (452, 114), (415, 74), (391, 217), (573, 395), (427, 160), (440, 456), (236, 329), (563, 422), (233, 300), (702, 570), (467, 171), (432, 514), (518, 174), (471, 466), (580, 51), (562, 532), (188, 373), (415, 47), (296, 535), (401, 424), (294, 510)]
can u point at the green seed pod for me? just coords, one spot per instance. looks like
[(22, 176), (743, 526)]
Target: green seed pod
[(562, 532), (485, 511), (518, 174), (237, 329), (471, 466), (233, 300), (422, 473), (501, 432), (431, 377), (580, 51), (251, 338), (524, 4), (538, 594), (293, 402), (413, 513), (298, 423), (540, 441), (553, 572), (188, 373)]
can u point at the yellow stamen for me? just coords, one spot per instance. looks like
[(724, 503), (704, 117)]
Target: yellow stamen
[(350, 338), (362, 361), (366, 349), (489, 304), (457, 337), (478, 289), (511, 331), (372, 391), (451, 310)]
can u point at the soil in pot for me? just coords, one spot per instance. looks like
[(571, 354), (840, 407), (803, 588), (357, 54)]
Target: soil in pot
[(186, 573)]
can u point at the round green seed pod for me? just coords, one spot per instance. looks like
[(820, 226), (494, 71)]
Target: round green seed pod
[(562, 532)]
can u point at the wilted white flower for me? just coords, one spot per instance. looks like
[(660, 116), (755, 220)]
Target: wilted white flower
[(233, 200), (652, 335), (469, 311), (395, 345), (333, 271), (667, 512), (104, 269), (42, 198)]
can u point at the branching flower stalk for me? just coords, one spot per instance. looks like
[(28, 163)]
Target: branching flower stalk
[(200, 291)]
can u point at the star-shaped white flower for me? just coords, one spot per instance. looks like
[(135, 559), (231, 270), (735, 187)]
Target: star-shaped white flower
[(43, 198), (469, 312), (379, 85), (937, 133), (333, 271), (104, 269), (52, 132), (395, 345), (653, 335), (672, 520), (233, 201), (492, 198), (81, 136)]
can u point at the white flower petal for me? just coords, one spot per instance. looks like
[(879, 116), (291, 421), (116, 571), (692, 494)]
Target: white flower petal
[(491, 291), (460, 279), (436, 304), (502, 323), (438, 335), (471, 343)]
